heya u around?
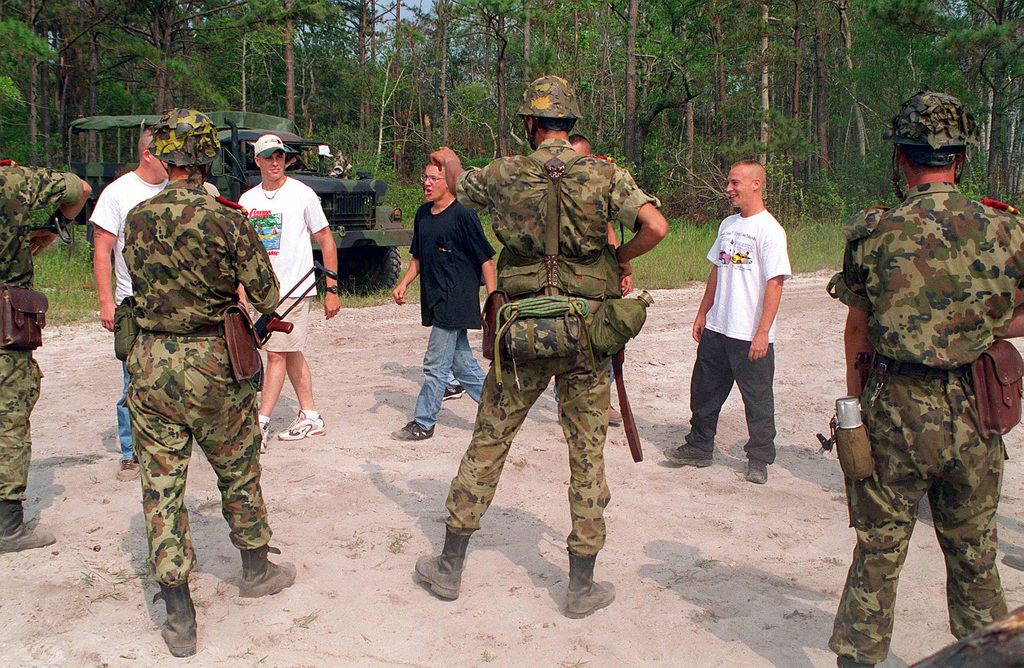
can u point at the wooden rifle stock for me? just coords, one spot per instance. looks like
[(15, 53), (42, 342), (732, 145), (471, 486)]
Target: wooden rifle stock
[(628, 424)]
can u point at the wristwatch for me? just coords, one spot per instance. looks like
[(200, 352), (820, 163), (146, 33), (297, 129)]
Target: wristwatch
[(333, 289)]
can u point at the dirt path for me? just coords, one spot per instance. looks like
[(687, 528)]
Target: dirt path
[(709, 570)]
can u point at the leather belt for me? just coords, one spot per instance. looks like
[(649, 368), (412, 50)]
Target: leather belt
[(915, 370), (210, 331)]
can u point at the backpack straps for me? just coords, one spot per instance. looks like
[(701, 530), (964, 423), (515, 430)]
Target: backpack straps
[(554, 169)]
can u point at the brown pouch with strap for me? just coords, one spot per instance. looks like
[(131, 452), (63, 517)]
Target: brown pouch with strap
[(22, 318), (489, 321), (998, 374), (241, 340)]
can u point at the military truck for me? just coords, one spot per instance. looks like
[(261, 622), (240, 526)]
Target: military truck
[(368, 234)]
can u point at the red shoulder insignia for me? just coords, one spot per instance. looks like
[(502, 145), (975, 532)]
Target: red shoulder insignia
[(999, 206), (606, 158), (233, 205), (872, 208), (8, 163)]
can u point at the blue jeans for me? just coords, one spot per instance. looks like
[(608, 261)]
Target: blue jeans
[(124, 425), (448, 354)]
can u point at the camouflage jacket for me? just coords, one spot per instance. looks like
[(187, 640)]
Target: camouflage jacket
[(594, 192), (186, 254), (22, 190), (938, 275)]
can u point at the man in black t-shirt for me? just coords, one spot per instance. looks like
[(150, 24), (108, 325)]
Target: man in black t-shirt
[(451, 255)]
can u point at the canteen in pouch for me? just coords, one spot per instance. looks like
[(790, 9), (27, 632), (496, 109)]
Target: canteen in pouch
[(126, 328), (852, 443), (22, 318), (617, 321)]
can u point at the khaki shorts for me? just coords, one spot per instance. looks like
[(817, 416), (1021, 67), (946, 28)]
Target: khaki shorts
[(296, 341)]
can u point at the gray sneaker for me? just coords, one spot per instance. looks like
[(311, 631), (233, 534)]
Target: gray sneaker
[(757, 472), (412, 432), (688, 455)]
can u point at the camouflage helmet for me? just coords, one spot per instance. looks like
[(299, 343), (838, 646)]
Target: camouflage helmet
[(933, 120), (550, 97), (185, 137)]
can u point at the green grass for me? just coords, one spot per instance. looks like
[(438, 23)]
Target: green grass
[(64, 273)]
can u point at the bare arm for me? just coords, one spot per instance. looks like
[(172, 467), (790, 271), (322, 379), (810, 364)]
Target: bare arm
[(706, 303), (332, 303), (410, 275), (103, 244), (769, 308), (653, 228), (855, 340), (490, 277)]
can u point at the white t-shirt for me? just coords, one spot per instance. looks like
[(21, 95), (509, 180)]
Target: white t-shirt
[(284, 222), (113, 205), (748, 253)]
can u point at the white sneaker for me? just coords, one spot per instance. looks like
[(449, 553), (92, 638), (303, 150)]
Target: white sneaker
[(303, 427), (264, 429)]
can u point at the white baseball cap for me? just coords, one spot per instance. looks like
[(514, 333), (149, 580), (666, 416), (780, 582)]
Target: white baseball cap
[(267, 144)]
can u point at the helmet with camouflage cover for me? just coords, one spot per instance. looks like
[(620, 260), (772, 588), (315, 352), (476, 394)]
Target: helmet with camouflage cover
[(936, 120), (185, 137), (550, 97)]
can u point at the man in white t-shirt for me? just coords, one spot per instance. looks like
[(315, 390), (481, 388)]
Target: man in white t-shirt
[(735, 326), (114, 203), (285, 213)]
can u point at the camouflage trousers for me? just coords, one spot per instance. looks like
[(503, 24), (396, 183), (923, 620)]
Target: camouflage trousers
[(924, 440), (19, 391), (584, 396), (182, 388)]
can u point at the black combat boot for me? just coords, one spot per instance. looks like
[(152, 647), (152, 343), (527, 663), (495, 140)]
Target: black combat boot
[(179, 631), (15, 535), (262, 577), (444, 573), (584, 595)]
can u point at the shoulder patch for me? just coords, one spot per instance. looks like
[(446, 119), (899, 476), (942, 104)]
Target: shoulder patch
[(234, 205), (605, 158), (999, 206), (862, 223), (8, 163)]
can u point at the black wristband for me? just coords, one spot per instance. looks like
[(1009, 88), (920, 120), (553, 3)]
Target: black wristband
[(333, 289)]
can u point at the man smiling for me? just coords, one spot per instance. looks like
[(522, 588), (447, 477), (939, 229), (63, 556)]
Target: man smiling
[(285, 213), (735, 326)]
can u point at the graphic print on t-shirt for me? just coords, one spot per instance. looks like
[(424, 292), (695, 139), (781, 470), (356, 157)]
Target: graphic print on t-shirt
[(268, 229), (737, 248)]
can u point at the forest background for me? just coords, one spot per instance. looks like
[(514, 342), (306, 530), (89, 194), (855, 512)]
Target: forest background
[(674, 89)]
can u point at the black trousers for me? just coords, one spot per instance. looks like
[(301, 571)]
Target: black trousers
[(720, 362)]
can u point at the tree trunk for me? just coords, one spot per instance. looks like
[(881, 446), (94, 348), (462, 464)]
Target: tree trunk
[(820, 110), (995, 146), (526, 48), (798, 70), (629, 140), (721, 124), (289, 66), (858, 115), (502, 44), (765, 100), (244, 106), (442, 19), (688, 154)]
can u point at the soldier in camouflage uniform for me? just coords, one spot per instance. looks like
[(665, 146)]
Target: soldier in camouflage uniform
[(22, 191), (187, 253), (929, 285), (513, 191)]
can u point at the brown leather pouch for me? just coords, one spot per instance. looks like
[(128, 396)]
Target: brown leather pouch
[(997, 386), (22, 318), (489, 321), (241, 339)]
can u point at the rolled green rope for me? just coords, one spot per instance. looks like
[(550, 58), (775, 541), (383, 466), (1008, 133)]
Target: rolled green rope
[(536, 307)]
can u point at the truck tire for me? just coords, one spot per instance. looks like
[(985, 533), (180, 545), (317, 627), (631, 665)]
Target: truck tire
[(372, 269)]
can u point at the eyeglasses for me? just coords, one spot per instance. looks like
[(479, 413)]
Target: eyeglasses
[(431, 179)]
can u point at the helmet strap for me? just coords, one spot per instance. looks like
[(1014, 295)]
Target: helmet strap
[(531, 132), (897, 174)]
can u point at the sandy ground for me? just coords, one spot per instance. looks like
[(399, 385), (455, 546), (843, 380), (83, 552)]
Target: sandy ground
[(709, 570)]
